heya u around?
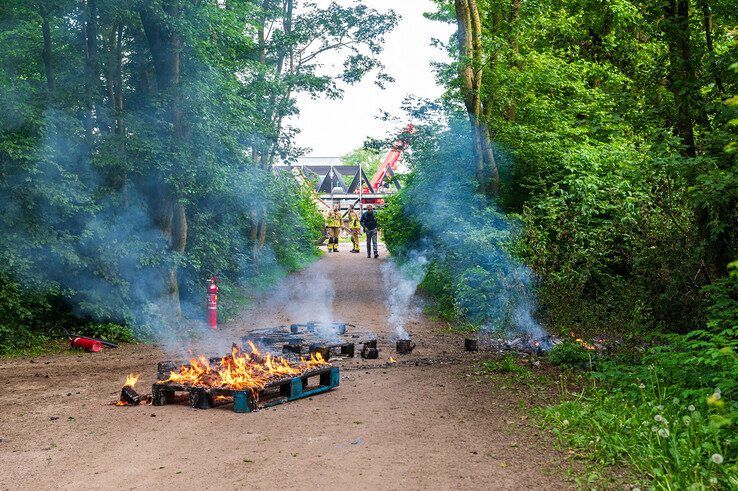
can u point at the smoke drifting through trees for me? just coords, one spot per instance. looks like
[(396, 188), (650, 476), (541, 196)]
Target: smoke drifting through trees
[(136, 151), (466, 240)]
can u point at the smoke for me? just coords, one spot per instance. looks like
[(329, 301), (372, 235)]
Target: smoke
[(307, 297), (465, 237), (401, 282), (312, 299), (72, 228)]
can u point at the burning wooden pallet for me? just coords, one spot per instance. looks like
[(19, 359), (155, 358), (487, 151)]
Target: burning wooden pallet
[(325, 350), (246, 401)]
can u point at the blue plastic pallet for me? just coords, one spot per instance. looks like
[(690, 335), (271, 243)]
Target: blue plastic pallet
[(244, 401), (296, 388)]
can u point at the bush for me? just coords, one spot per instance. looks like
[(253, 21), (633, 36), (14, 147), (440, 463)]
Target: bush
[(672, 415), (571, 354), (110, 332)]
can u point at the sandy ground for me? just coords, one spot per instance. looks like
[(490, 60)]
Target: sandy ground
[(427, 422)]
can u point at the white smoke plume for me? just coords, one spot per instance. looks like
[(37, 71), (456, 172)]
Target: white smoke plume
[(401, 283), (312, 299)]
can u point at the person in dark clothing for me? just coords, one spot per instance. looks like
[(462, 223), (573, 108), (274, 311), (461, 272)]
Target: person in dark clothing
[(371, 228)]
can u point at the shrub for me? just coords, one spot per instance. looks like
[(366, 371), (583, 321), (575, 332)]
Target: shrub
[(109, 331), (570, 354), (672, 415)]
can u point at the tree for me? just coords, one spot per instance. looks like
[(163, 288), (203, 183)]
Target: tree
[(471, 72), (136, 142), (291, 44), (369, 159), (609, 126)]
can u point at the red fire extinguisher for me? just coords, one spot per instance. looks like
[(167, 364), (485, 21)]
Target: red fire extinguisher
[(213, 303), (85, 343)]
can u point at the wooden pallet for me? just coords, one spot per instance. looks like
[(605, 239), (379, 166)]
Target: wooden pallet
[(244, 401), (338, 327), (326, 350)]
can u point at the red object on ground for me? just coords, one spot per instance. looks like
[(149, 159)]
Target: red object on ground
[(86, 344), (213, 303)]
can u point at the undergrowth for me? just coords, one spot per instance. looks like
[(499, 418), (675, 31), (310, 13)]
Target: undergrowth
[(671, 419)]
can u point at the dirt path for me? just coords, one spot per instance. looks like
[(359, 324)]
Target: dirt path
[(404, 426)]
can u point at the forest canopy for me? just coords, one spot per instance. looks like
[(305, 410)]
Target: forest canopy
[(136, 145)]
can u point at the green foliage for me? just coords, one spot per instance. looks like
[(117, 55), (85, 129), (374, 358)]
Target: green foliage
[(623, 224), (672, 415), (368, 158), (109, 331), (136, 146), (468, 242), (673, 443), (506, 364), (571, 354), (399, 230), (438, 284)]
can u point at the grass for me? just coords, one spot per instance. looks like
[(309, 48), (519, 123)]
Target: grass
[(667, 441), (48, 348), (510, 366)]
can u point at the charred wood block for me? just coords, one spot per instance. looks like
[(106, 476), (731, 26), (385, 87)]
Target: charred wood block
[(130, 396), (200, 399), (405, 346), (371, 344), (292, 348), (324, 351), (164, 367), (369, 353), (161, 395), (311, 326), (294, 328), (470, 344), (348, 350)]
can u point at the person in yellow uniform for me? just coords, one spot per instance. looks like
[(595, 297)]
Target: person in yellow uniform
[(333, 222), (355, 228)]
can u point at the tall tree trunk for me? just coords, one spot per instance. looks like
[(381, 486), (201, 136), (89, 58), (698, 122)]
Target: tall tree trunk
[(119, 88), (514, 25), (110, 79), (513, 41), (707, 22), (165, 45), (47, 52), (682, 75), (91, 68), (469, 37)]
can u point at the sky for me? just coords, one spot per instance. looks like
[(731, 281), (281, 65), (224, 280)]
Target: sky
[(332, 128)]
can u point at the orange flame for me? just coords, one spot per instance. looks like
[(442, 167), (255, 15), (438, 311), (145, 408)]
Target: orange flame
[(240, 370), (131, 380), (584, 344)]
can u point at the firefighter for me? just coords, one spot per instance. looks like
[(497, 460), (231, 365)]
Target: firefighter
[(333, 222), (355, 228), (371, 228)]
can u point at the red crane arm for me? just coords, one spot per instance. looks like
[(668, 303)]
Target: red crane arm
[(392, 158)]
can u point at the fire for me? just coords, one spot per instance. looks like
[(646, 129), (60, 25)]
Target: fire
[(392, 360), (582, 342), (131, 380), (240, 370), (128, 396)]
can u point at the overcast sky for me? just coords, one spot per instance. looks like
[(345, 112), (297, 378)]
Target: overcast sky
[(334, 128)]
